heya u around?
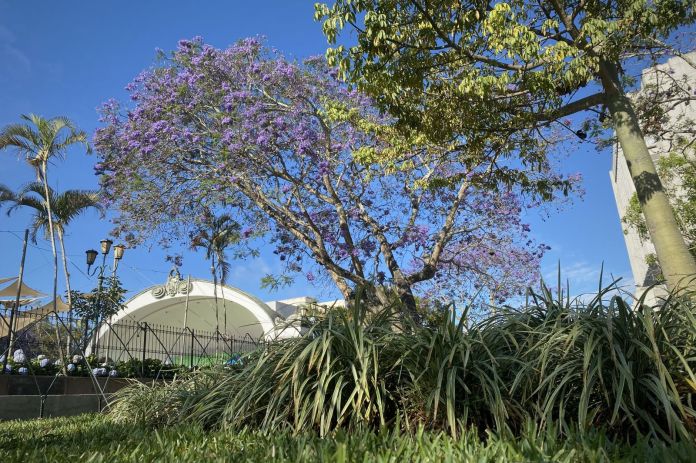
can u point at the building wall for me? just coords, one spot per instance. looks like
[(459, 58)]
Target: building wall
[(621, 182)]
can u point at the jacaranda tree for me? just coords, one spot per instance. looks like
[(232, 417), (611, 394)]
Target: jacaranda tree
[(462, 68), (287, 150)]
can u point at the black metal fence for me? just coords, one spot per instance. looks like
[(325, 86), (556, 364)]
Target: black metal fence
[(57, 335), (179, 346)]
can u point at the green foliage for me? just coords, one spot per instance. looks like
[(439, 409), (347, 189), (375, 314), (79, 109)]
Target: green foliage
[(152, 368), (565, 366), (633, 218), (96, 438), (503, 75), (678, 172), (100, 304), (455, 66)]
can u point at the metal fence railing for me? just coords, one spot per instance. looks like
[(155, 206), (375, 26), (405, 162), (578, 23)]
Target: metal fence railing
[(57, 335)]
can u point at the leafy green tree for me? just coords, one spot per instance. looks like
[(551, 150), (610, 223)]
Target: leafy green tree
[(471, 70), (39, 140), (97, 305)]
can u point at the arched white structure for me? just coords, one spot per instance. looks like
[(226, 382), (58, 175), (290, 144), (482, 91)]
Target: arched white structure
[(179, 304), (238, 313)]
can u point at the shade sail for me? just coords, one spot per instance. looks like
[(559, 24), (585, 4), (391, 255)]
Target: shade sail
[(60, 307), (10, 301), (5, 280), (11, 290)]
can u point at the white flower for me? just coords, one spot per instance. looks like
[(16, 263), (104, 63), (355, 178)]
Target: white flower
[(8, 368), (19, 356), (113, 373), (23, 371), (44, 362), (40, 357), (76, 359)]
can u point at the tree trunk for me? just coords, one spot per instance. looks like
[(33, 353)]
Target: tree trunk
[(49, 213), (67, 288), (676, 261), (409, 301), (214, 272)]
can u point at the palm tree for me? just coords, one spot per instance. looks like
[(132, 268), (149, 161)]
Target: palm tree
[(39, 140), (65, 207), (221, 232)]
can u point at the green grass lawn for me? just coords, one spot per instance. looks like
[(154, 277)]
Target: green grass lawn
[(95, 438)]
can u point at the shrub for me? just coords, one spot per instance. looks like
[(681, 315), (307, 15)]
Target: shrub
[(560, 365)]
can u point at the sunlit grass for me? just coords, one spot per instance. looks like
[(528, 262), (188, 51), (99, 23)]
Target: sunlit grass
[(96, 438)]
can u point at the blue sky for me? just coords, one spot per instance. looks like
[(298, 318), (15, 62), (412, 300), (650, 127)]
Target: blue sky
[(66, 58)]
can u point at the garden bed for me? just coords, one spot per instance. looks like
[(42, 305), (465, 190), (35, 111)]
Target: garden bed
[(62, 385)]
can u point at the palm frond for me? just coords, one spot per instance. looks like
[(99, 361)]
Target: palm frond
[(6, 194), (71, 203), (21, 137), (40, 139)]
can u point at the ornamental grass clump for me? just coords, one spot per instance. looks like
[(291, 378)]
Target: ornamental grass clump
[(335, 376), (561, 366)]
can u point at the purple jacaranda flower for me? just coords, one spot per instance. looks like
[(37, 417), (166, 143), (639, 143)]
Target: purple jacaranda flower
[(324, 167)]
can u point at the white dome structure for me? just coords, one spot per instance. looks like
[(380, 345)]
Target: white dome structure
[(211, 316), (192, 304)]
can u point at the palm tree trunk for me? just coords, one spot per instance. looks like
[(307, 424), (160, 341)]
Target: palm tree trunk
[(49, 212), (677, 263), (214, 272), (67, 287)]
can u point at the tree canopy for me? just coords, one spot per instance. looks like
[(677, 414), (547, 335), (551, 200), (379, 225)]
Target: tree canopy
[(289, 151), (515, 69)]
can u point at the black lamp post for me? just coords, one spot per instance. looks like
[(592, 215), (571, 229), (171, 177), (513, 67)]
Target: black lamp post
[(91, 254)]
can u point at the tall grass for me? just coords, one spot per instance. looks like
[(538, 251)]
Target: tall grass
[(561, 366)]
